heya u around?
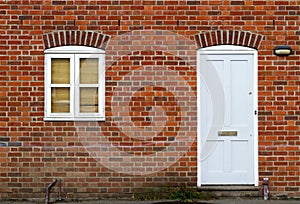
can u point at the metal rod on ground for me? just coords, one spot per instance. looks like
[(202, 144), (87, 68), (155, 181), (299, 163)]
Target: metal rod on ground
[(48, 191), (59, 190)]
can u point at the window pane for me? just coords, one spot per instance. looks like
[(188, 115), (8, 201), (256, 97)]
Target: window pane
[(89, 71), (89, 100), (60, 71), (60, 100)]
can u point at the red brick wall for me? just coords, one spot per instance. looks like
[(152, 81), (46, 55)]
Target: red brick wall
[(150, 94)]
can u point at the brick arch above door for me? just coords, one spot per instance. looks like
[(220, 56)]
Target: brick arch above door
[(80, 38), (228, 37)]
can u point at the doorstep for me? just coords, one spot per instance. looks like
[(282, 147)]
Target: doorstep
[(231, 191)]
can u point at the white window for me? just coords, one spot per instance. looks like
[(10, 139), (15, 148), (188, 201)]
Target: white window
[(74, 84)]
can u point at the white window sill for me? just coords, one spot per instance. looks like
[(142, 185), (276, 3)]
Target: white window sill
[(74, 119)]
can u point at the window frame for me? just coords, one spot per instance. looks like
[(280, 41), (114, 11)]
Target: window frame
[(75, 53)]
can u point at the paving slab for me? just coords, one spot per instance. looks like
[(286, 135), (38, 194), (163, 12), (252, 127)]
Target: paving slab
[(223, 201), (254, 201)]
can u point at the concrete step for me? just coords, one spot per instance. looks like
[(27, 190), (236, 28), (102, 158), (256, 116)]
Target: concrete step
[(230, 191)]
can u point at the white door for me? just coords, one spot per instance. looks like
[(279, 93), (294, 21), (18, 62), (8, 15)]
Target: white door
[(227, 117)]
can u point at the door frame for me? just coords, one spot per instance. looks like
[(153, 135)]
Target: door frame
[(230, 49)]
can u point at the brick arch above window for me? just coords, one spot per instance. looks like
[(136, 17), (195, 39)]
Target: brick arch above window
[(80, 38), (228, 37)]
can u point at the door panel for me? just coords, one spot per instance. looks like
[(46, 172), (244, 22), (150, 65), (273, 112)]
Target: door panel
[(227, 151)]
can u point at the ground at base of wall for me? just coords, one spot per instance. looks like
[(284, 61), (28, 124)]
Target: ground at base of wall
[(222, 201)]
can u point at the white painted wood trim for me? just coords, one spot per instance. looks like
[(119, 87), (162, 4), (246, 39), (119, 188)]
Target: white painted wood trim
[(238, 50), (74, 53), (90, 119), (219, 48), (78, 86), (48, 85), (255, 104), (198, 123), (74, 49)]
